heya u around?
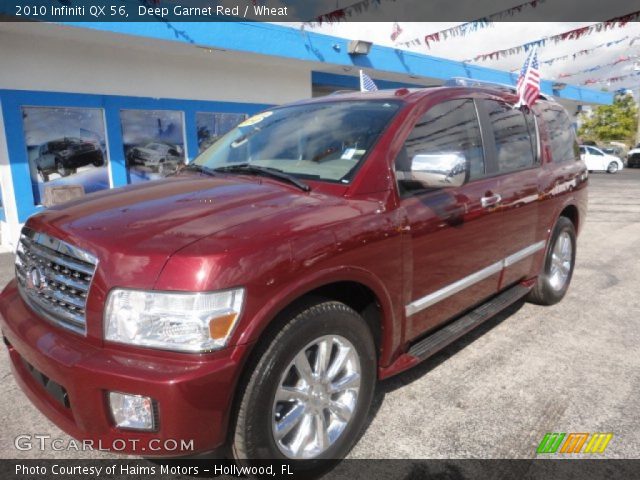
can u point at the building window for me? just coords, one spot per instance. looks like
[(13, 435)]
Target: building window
[(153, 143), (65, 147), (212, 126)]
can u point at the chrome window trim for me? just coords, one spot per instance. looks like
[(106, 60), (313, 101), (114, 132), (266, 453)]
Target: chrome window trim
[(538, 159), (459, 285)]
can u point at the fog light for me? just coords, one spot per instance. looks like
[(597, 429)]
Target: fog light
[(132, 411)]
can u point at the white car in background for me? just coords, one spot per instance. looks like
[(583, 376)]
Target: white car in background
[(597, 160)]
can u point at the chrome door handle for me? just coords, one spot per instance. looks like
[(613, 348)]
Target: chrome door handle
[(490, 201)]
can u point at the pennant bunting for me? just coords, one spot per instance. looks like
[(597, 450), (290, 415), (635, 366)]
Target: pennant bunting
[(395, 32), (569, 35), (622, 59), (472, 26), (617, 78)]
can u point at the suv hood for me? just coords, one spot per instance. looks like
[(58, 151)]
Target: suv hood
[(135, 229)]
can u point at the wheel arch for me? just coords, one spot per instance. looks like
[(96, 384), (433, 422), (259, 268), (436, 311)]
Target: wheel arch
[(572, 213), (358, 290)]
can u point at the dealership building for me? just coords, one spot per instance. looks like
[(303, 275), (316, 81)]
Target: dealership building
[(91, 106)]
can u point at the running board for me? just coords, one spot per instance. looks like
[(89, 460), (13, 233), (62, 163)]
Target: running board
[(454, 330)]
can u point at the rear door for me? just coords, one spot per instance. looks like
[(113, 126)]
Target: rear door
[(513, 158), (454, 236)]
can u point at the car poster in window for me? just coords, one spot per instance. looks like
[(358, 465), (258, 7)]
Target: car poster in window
[(153, 143), (65, 146), (212, 126)]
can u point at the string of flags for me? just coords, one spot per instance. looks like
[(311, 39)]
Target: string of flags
[(568, 35), (586, 51), (621, 59), (617, 78), (472, 26)]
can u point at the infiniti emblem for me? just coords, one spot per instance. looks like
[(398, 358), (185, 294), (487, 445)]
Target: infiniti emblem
[(36, 279)]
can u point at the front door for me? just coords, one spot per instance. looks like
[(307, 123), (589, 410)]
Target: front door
[(454, 235)]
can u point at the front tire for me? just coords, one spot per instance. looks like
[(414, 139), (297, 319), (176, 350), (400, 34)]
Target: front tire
[(612, 168), (310, 388), (553, 282)]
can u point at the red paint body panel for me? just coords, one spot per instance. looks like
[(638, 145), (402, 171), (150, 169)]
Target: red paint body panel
[(193, 232)]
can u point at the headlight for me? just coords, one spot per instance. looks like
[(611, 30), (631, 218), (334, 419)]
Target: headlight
[(192, 322)]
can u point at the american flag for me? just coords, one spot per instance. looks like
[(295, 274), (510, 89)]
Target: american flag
[(528, 86), (366, 84)]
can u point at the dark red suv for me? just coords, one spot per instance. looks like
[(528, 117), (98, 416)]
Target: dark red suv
[(253, 299)]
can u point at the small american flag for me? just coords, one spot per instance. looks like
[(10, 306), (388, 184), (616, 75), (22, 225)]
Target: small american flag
[(528, 86), (366, 84)]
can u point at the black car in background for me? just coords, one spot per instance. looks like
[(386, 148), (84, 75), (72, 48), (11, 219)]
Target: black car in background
[(65, 155), (633, 157)]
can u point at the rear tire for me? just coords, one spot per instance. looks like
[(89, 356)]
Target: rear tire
[(323, 430), (553, 282)]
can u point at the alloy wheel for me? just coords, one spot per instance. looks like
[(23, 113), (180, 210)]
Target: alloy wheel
[(561, 258), (316, 397)]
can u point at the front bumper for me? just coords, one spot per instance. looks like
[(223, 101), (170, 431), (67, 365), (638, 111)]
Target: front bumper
[(68, 379)]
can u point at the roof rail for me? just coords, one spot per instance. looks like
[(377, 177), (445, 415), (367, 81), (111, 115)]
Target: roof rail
[(472, 82)]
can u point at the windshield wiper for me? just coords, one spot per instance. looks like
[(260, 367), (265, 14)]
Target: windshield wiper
[(198, 168), (247, 168)]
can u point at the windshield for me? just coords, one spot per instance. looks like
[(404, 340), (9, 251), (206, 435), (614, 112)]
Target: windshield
[(323, 141)]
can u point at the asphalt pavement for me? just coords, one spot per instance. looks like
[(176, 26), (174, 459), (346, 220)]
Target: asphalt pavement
[(573, 367)]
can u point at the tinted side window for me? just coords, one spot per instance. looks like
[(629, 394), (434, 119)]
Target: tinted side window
[(449, 127), (514, 143), (562, 138)]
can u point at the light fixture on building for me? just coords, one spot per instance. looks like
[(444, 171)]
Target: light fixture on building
[(559, 86), (359, 47), (210, 49)]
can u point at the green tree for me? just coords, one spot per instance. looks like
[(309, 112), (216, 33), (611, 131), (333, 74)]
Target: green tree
[(618, 121)]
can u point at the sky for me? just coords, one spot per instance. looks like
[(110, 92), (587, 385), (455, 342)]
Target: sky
[(502, 35)]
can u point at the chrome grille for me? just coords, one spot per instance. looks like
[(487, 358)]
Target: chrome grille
[(54, 278)]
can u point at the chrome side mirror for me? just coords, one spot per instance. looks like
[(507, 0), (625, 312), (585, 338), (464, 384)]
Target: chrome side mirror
[(439, 170)]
